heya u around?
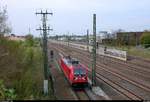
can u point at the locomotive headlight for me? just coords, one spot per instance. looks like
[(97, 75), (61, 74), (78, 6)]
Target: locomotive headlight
[(75, 78), (83, 78)]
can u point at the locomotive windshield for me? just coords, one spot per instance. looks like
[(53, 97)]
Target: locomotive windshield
[(71, 61), (75, 62), (79, 71)]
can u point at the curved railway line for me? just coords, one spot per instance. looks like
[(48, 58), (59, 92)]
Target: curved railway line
[(140, 72), (136, 73), (80, 95), (133, 60), (116, 86), (123, 63), (129, 86)]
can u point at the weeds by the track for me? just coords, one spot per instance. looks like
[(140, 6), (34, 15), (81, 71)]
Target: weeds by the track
[(22, 70)]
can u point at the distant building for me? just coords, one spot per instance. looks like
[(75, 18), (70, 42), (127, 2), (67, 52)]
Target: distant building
[(73, 38), (98, 38), (16, 38), (102, 36), (62, 38), (129, 38)]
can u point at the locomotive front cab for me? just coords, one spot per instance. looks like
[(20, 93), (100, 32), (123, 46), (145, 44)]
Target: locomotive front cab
[(80, 75), (74, 71), (79, 72)]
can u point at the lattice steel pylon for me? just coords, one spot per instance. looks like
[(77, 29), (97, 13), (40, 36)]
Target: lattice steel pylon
[(44, 28)]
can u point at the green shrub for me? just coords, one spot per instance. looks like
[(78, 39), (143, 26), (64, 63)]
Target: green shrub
[(6, 94), (29, 40), (145, 39), (26, 67)]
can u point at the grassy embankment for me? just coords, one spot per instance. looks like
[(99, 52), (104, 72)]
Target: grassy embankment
[(131, 50), (21, 70)]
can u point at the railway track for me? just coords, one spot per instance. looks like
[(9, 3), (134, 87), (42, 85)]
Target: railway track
[(130, 72), (114, 85), (80, 95), (141, 59), (128, 65), (134, 60), (139, 62), (132, 64), (135, 74), (121, 78), (86, 94), (139, 86), (142, 71)]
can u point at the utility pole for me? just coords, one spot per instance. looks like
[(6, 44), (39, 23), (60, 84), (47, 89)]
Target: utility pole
[(87, 40), (68, 38), (94, 52), (44, 28), (128, 44), (29, 30), (136, 39)]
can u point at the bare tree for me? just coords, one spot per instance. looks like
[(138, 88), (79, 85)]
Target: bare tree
[(4, 26)]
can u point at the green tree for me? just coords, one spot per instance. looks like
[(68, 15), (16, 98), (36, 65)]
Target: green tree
[(29, 40), (4, 25), (145, 39)]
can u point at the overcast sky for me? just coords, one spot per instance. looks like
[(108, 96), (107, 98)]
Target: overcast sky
[(75, 16)]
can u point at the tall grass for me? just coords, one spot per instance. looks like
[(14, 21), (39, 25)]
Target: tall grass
[(26, 70), (132, 50)]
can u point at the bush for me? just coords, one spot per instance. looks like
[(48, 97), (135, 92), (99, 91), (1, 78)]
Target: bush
[(145, 39), (6, 94), (29, 40), (25, 66)]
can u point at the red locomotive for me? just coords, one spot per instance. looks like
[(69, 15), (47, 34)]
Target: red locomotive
[(75, 72)]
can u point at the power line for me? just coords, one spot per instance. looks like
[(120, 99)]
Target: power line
[(44, 28)]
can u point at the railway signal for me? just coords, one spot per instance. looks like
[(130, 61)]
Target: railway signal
[(94, 52), (44, 28), (52, 54)]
